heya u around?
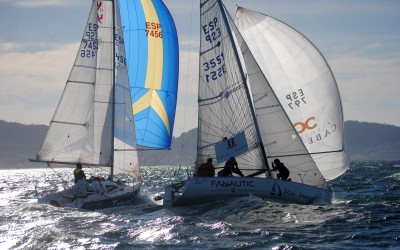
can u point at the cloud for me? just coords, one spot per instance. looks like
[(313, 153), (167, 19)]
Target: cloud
[(32, 82), (374, 46), (369, 87), (39, 3), (186, 112)]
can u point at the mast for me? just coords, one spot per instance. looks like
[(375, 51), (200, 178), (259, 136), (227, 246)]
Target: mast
[(253, 115), (113, 90)]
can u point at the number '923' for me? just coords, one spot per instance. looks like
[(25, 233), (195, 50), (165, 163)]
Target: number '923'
[(211, 30)]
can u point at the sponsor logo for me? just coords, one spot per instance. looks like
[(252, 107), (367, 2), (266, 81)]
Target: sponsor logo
[(232, 184), (100, 11), (305, 196), (231, 143), (290, 192), (308, 124), (276, 190)]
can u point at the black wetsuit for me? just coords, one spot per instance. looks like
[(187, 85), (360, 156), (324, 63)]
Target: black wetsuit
[(283, 171)]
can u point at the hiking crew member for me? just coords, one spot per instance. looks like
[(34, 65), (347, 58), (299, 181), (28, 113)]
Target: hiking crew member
[(283, 171), (206, 169), (231, 166)]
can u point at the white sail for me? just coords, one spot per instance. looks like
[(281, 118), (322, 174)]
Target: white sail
[(80, 130), (83, 128), (278, 135), (224, 111), (125, 155), (304, 84)]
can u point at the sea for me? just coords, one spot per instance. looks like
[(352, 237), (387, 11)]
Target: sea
[(364, 214)]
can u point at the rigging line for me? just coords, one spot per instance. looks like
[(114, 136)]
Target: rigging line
[(314, 153), (59, 176), (187, 79)]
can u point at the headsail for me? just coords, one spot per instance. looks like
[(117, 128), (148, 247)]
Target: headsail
[(304, 84), (152, 52)]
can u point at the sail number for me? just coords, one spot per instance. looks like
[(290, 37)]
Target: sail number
[(120, 59), (119, 42), (90, 45), (91, 32), (153, 29), (89, 49), (215, 67), (212, 31), (296, 98)]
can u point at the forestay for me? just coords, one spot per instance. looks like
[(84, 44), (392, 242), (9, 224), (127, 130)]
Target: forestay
[(304, 84), (153, 63)]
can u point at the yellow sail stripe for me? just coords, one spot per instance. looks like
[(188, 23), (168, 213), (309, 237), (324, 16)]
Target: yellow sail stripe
[(152, 99), (155, 47)]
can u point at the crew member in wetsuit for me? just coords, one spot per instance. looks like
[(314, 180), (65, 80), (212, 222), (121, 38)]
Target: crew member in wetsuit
[(283, 171), (231, 166), (206, 169)]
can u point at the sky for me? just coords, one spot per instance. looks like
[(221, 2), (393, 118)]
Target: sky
[(360, 39)]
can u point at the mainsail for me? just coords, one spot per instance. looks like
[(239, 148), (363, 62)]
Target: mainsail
[(152, 51), (224, 114), (94, 116), (303, 83), (230, 124)]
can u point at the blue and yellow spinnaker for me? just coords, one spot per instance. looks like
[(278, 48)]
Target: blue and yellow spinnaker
[(151, 44)]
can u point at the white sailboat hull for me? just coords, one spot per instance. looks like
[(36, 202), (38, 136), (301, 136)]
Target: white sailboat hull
[(205, 189), (120, 195)]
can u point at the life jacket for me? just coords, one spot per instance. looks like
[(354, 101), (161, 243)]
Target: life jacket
[(79, 174)]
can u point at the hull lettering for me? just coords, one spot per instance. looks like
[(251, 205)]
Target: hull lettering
[(234, 184)]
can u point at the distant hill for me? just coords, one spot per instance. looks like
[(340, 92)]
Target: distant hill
[(363, 140), (19, 142), (372, 141)]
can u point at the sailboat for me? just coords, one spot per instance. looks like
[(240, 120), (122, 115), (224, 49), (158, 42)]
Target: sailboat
[(240, 115), (94, 121)]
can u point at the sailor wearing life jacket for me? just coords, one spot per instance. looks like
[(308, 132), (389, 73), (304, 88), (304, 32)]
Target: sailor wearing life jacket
[(78, 172)]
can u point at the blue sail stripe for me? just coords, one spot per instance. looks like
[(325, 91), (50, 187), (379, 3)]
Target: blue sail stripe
[(151, 130), (171, 63), (136, 46)]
